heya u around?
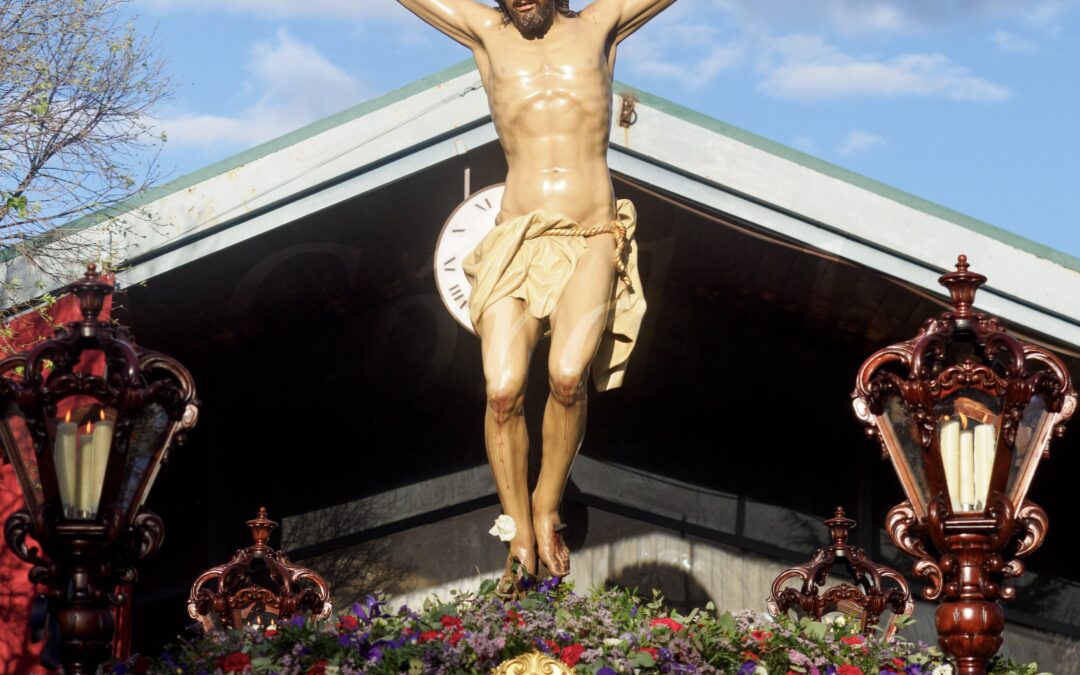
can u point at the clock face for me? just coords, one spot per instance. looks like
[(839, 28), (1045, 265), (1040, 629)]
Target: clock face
[(466, 226)]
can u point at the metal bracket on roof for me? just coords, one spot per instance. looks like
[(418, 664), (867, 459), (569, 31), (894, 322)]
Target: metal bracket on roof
[(628, 115)]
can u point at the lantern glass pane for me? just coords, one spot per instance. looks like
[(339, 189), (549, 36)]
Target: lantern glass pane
[(967, 427), (140, 450), (1031, 436), (20, 448), (910, 463)]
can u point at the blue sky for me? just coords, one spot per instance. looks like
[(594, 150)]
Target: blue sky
[(972, 104)]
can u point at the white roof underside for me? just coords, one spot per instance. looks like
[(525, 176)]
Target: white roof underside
[(785, 195)]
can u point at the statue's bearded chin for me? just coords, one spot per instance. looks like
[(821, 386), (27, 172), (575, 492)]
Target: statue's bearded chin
[(534, 22)]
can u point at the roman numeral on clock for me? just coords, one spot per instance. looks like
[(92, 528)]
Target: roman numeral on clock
[(448, 265), (485, 206), (458, 295)]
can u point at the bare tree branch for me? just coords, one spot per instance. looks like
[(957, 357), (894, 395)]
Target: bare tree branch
[(76, 137)]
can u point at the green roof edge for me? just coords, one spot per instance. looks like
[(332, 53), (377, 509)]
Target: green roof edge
[(661, 104), (858, 180)]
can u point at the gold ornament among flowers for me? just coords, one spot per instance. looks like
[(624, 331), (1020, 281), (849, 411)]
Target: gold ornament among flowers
[(533, 663)]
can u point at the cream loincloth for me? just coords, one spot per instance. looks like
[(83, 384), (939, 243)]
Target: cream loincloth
[(517, 260)]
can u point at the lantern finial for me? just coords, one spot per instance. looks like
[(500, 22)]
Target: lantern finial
[(962, 285), (91, 292), (261, 527)]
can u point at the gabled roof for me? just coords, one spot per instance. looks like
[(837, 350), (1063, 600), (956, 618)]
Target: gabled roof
[(688, 155)]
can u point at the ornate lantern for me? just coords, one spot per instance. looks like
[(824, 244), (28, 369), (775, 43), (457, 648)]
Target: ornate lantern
[(868, 595), (258, 586), (965, 412), (88, 418)]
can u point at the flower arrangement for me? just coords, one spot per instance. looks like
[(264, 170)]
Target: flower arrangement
[(602, 633)]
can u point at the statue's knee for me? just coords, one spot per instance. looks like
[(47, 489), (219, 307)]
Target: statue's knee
[(567, 386), (504, 401)]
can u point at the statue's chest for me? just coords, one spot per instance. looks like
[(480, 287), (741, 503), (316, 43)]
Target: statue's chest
[(548, 65)]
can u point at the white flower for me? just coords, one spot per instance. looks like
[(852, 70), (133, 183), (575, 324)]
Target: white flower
[(840, 621), (612, 642), (760, 670), (505, 528), (943, 669)]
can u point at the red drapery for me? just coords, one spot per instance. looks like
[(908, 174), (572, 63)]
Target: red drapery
[(17, 654)]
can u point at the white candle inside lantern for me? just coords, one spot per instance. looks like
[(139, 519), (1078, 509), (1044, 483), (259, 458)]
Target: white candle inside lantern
[(84, 487), (950, 458), (985, 451), (967, 470), (64, 459), (102, 442)]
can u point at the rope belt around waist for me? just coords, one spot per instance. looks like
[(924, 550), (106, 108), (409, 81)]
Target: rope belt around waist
[(615, 229)]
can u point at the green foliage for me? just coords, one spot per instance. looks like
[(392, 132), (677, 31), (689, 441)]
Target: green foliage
[(602, 633)]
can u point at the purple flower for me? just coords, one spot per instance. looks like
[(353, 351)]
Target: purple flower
[(606, 671), (298, 621), (748, 668), (913, 669)]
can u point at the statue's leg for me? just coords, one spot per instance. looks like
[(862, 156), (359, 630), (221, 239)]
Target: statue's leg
[(576, 328), (507, 337)]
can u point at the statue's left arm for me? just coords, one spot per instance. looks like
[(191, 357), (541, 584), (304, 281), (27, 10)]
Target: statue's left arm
[(627, 15)]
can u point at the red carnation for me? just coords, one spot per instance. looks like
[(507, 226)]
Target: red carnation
[(750, 656), (650, 651), (760, 635), (899, 663), (455, 638), (673, 625), (552, 646), (237, 662), (317, 668), (450, 621), (348, 622), (852, 639), (429, 635), (571, 654), (849, 670)]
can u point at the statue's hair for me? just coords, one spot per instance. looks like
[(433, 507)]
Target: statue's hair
[(561, 6)]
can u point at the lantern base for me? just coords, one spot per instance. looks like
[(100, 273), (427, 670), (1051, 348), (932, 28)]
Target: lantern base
[(87, 633), (970, 632)]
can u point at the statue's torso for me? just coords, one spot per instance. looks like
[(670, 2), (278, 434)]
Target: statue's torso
[(551, 102)]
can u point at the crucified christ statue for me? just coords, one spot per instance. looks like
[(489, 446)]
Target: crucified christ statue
[(561, 256)]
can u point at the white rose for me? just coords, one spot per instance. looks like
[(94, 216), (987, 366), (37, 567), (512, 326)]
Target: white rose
[(943, 669), (612, 642), (504, 528), (760, 670)]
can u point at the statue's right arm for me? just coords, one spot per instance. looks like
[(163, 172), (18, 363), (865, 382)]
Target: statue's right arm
[(459, 19)]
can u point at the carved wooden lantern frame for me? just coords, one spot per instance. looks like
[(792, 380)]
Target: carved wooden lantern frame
[(868, 593), (258, 586), (965, 412), (86, 449)]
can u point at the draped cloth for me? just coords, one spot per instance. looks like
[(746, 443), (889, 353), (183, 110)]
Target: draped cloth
[(520, 259)]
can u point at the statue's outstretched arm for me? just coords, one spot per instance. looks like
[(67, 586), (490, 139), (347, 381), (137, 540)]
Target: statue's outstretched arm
[(459, 19), (627, 15)]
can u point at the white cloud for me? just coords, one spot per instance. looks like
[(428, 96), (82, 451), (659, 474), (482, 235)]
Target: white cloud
[(701, 57), (858, 141), (811, 69), (1007, 42), (296, 85), (283, 8)]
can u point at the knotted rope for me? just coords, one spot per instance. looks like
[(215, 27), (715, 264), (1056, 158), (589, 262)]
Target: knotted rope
[(614, 229)]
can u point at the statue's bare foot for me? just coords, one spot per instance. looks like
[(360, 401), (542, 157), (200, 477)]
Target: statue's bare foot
[(520, 567), (550, 546)]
